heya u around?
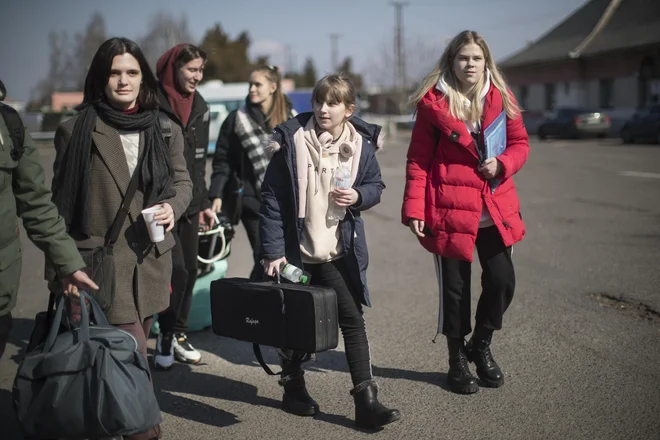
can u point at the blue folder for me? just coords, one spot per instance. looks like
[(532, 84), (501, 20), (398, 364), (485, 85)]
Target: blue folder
[(495, 142)]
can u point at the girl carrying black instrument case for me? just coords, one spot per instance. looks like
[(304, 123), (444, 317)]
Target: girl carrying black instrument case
[(286, 316)]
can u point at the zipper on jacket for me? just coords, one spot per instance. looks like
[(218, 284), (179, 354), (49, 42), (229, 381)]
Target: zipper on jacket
[(504, 222), (294, 187), (499, 211), (348, 211)]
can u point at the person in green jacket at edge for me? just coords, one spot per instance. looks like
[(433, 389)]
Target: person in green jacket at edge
[(24, 194)]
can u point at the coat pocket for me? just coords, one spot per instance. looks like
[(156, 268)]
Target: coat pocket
[(100, 267), (7, 165)]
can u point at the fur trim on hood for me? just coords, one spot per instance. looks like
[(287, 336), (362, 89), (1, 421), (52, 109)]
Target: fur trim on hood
[(272, 146), (380, 143)]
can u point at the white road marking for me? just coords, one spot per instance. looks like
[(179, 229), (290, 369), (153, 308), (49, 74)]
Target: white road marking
[(641, 174)]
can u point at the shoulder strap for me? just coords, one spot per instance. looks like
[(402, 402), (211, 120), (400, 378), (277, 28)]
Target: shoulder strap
[(260, 359), (16, 130), (165, 125), (125, 207)]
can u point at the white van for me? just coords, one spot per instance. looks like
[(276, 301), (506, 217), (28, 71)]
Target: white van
[(222, 99)]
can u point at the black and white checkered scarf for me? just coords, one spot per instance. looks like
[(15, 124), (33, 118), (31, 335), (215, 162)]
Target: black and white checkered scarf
[(254, 139)]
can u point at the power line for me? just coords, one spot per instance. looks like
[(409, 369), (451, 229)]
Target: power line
[(399, 47), (288, 59)]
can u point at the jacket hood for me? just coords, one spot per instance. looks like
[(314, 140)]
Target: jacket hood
[(372, 132), (180, 102)]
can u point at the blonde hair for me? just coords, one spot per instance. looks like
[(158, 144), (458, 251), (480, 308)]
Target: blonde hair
[(336, 87), (455, 98), (279, 111)]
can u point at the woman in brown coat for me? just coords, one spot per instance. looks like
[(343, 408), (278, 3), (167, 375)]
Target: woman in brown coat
[(118, 133)]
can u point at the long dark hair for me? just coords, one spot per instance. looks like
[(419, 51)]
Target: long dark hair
[(99, 74), (188, 53), (279, 110)]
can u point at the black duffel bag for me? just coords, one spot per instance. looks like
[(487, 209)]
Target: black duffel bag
[(88, 382), (286, 316)]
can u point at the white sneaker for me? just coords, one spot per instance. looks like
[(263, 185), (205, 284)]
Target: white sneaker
[(164, 358), (184, 351)]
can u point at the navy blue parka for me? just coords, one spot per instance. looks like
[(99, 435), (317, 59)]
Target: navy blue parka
[(280, 229)]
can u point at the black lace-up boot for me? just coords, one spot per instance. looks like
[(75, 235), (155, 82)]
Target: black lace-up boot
[(459, 377), (478, 351)]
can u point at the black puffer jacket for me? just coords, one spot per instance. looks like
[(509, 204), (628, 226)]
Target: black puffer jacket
[(196, 135), (228, 156)]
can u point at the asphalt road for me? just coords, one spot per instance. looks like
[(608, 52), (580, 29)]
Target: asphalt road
[(580, 348)]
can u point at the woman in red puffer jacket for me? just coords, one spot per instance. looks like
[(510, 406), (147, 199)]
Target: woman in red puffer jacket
[(459, 194)]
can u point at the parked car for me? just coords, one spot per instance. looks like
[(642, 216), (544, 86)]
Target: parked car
[(226, 97), (573, 122), (301, 100), (643, 125), (222, 99)]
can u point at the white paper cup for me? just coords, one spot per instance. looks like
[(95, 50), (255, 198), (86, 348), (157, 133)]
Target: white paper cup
[(156, 231)]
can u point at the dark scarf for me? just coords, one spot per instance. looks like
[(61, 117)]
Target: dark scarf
[(71, 191), (260, 118), (257, 115)]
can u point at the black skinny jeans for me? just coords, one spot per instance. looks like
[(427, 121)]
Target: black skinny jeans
[(334, 274), (251, 223), (184, 275)]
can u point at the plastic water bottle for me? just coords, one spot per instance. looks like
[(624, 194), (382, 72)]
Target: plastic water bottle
[(342, 179), (294, 274)]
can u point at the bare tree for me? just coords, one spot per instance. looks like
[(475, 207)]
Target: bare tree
[(421, 54), (86, 45), (59, 76), (380, 69), (164, 32)]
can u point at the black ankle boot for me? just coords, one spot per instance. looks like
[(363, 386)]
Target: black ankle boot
[(296, 399), (369, 412), (478, 351), (459, 377)]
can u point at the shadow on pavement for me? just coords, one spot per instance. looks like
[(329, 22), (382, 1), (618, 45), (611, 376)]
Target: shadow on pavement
[(21, 330), (193, 410), (240, 353), (184, 379)]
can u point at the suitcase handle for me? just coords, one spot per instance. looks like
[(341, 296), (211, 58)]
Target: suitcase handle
[(265, 277)]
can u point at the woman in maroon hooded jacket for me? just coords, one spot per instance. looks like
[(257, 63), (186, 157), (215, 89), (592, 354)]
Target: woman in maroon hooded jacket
[(180, 70), (460, 195)]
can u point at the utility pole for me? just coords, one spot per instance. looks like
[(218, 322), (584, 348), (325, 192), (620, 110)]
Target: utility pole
[(399, 51), (288, 59), (334, 54)]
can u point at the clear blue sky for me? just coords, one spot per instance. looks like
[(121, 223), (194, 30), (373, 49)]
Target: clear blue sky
[(366, 26)]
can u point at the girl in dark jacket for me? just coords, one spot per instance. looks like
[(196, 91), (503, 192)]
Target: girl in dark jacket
[(297, 226), (180, 70), (240, 158)]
